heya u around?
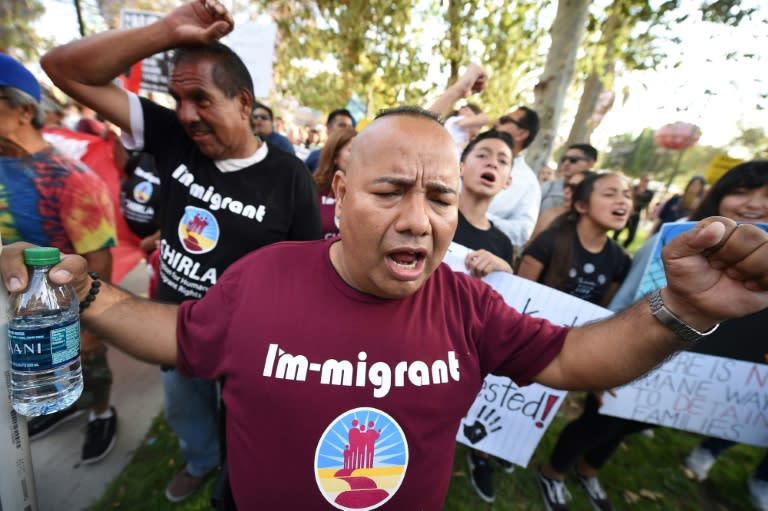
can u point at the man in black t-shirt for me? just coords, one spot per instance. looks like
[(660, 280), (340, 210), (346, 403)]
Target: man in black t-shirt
[(223, 192)]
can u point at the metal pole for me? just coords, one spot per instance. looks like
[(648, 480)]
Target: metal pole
[(17, 484)]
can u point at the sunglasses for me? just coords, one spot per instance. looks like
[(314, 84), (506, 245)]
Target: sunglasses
[(506, 119), (572, 186), (572, 159), (261, 117)]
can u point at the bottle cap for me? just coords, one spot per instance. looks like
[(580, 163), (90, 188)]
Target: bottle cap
[(40, 256)]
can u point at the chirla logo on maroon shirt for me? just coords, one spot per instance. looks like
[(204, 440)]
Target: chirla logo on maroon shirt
[(284, 366), (361, 459)]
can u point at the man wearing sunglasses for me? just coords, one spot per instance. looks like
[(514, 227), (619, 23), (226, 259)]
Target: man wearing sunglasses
[(577, 158), (515, 209)]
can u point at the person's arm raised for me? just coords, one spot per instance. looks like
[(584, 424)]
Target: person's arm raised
[(139, 327), (716, 271), (84, 69), (471, 82)]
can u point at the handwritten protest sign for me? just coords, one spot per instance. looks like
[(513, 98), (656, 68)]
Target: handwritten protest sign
[(505, 420), (714, 396)]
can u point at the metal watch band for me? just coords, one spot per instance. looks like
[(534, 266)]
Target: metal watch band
[(674, 323)]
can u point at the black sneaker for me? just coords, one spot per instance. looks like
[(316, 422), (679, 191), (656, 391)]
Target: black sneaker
[(100, 438), (44, 424), (481, 476), (554, 493), (595, 492)]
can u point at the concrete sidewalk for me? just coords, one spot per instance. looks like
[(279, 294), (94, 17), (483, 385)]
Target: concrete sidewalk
[(137, 395)]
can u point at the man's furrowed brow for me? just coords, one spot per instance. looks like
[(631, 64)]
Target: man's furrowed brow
[(404, 182), (441, 188)]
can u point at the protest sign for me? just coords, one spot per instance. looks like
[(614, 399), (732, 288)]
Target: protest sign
[(155, 69), (714, 396), (506, 420), (254, 43)]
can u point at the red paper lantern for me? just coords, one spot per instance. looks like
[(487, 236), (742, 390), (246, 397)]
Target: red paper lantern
[(677, 136)]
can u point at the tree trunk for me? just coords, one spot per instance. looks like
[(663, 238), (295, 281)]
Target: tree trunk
[(585, 123), (80, 22), (567, 31), (580, 131), (454, 39)]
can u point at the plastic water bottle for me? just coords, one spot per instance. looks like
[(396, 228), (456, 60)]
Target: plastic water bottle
[(44, 340)]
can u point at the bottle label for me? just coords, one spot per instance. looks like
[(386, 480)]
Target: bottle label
[(41, 349)]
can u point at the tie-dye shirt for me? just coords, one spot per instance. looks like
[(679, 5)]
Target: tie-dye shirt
[(51, 200)]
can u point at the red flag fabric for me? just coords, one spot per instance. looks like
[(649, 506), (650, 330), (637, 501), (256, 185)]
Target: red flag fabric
[(98, 154)]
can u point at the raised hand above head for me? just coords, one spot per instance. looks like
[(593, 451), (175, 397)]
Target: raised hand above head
[(199, 22)]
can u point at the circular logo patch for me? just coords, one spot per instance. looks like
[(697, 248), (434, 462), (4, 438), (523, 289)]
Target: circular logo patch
[(361, 459), (142, 192), (198, 230)]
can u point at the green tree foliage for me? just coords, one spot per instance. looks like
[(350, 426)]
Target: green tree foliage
[(626, 36), (328, 49), (619, 36), (16, 31), (504, 37), (638, 155), (754, 140)]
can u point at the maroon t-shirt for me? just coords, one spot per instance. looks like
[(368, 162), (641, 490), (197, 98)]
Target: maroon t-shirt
[(337, 399)]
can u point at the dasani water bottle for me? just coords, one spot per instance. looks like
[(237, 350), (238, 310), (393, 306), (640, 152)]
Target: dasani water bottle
[(44, 340)]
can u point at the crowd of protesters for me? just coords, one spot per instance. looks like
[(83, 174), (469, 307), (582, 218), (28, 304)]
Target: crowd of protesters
[(206, 186)]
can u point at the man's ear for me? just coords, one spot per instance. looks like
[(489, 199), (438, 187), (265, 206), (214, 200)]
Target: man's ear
[(245, 103), (339, 186)]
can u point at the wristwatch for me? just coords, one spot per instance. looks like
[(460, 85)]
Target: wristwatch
[(674, 323)]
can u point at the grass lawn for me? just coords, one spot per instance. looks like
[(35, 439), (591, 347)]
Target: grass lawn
[(645, 474)]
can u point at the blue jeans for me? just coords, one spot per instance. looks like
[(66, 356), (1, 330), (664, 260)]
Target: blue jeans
[(191, 410)]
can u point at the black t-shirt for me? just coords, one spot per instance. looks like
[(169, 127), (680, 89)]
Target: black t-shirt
[(492, 240), (591, 275), (140, 195), (211, 218), (742, 339)]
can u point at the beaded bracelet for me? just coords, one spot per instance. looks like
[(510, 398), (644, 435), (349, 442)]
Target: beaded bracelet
[(91, 296)]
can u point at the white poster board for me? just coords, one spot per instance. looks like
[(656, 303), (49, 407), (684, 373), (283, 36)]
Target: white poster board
[(505, 420), (254, 43), (714, 396)]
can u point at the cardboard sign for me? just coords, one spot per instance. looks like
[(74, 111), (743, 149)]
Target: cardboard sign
[(154, 70), (506, 420)]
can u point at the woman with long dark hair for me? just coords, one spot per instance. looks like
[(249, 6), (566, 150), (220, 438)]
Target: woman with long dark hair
[(576, 255), (333, 157)]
